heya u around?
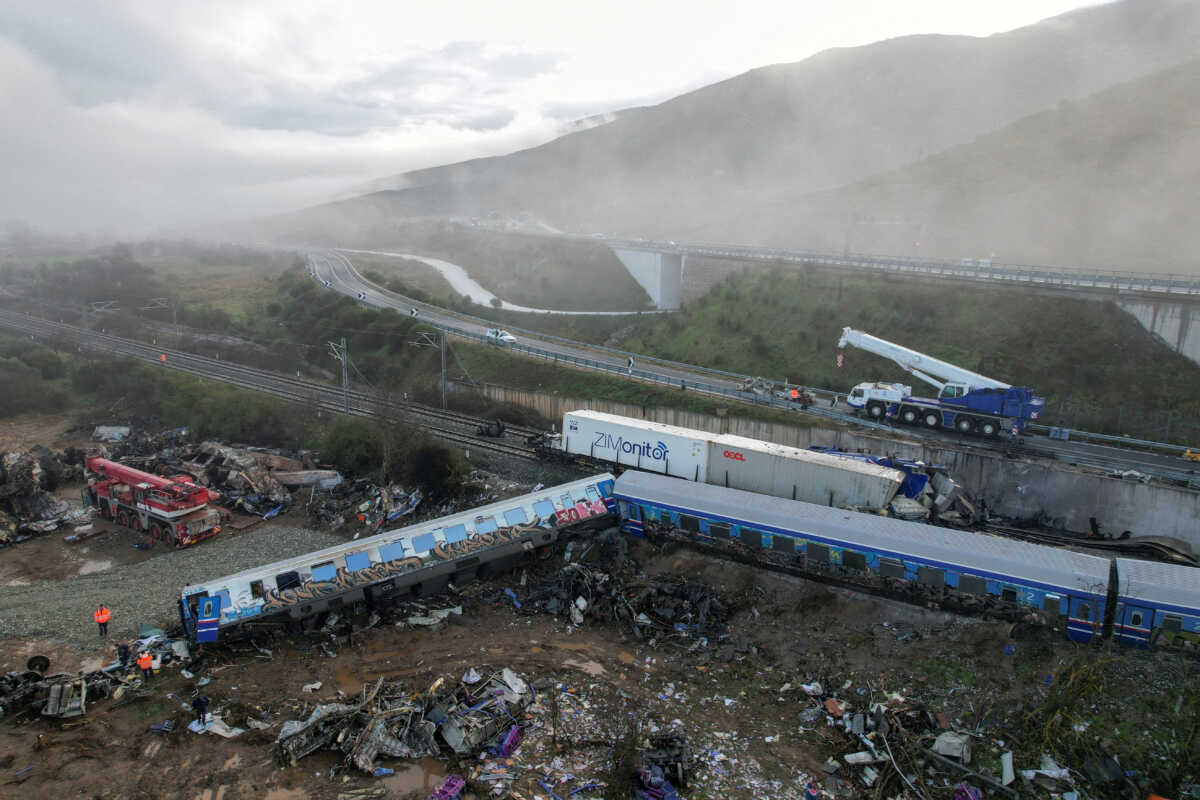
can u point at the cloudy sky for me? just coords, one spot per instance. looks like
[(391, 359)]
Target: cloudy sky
[(149, 116)]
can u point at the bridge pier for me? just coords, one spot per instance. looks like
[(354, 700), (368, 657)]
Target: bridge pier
[(660, 274), (1176, 323)]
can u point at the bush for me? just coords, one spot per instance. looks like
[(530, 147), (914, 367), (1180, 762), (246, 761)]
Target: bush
[(352, 446), (25, 390)]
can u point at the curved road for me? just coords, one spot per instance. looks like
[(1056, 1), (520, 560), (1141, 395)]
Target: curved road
[(461, 282), (341, 275)]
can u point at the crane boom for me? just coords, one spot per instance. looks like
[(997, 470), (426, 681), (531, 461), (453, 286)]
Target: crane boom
[(929, 369)]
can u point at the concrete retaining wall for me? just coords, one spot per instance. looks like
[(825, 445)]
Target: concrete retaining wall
[(1015, 488)]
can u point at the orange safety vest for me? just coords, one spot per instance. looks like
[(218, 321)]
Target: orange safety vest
[(102, 614), (145, 661)]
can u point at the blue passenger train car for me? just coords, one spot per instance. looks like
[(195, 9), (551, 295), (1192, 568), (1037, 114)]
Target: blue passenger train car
[(380, 570), (1068, 586), (1158, 604)]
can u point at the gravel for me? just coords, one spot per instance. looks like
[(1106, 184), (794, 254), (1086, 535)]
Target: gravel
[(146, 592)]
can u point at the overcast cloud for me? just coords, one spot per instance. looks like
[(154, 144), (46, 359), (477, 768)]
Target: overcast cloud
[(139, 116)]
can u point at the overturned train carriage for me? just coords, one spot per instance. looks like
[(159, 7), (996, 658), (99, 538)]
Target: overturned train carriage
[(1087, 596), (380, 570)]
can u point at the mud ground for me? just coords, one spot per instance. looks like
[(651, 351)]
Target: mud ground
[(735, 708)]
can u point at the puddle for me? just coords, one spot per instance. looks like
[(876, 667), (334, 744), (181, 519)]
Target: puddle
[(422, 777), (590, 667), (92, 566)]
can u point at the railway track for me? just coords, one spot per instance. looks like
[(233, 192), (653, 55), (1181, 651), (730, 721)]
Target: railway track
[(450, 426)]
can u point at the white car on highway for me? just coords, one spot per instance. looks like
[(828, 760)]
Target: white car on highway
[(501, 337)]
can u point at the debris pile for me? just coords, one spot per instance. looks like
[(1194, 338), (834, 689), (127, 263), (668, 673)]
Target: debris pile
[(27, 505), (474, 715), (369, 504)]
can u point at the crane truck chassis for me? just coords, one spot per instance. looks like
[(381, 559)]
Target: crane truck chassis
[(966, 402)]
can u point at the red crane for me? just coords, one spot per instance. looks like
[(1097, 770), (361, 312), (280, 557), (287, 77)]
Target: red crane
[(169, 509)]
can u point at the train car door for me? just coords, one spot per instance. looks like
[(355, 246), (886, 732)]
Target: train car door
[(1082, 618), (1133, 626), (208, 616)]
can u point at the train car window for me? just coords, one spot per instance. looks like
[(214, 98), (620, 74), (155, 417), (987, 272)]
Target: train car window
[(817, 553), (752, 538), (593, 495), (224, 595), (689, 523), (650, 513), (392, 552), (515, 516), (485, 525), (456, 533), (1172, 623), (544, 509), (1008, 594), (256, 589), (718, 530), (357, 561), (931, 576), (424, 543), (566, 500), (972, 584), (1052, 603), (324, 571), (783, 544), (1136, 619), (286, 580), (1085, 611), (852, 559), (891, 568)]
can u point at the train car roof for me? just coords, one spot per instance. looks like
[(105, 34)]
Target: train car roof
[(1159, 584), (273, 568), (971, 552)]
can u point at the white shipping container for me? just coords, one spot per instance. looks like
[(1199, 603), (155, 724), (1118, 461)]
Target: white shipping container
[(752, 465), (638, 444)]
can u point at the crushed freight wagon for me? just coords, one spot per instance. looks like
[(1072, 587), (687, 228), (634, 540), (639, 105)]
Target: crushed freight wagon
[(735, 462), (475, 713)]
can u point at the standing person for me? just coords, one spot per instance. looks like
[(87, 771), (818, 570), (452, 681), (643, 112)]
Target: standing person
[(146, 664), (123, 655), (200, 706), (101, 616)]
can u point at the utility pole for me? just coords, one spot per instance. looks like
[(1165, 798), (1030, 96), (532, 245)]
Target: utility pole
[(425, 339), (340, 352)]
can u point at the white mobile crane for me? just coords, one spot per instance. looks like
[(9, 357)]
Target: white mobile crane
[(966, 401)]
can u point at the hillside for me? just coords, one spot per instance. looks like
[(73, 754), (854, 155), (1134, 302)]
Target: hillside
[(830, 120), (1096, 366), (1107, 182)]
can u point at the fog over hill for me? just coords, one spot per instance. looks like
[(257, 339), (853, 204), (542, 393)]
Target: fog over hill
[(726, 161)]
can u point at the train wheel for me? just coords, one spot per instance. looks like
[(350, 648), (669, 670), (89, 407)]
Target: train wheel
[(964, 424), (932, 419), (988, 428)]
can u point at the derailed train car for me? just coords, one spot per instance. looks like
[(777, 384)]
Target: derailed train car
[(1087, 596), (380, 570)]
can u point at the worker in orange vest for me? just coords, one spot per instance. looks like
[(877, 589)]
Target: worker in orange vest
[(145, 664), (101, 616)]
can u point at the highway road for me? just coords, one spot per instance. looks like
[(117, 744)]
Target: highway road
[(338, 271)]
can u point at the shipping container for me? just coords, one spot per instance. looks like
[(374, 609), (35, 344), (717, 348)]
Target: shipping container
[(737, 462), (637, 444)]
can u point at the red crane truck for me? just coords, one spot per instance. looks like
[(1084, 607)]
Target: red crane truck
[(171, 510)]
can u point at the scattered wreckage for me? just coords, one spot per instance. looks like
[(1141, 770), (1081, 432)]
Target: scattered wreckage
[(27, 482), (476, 714)]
